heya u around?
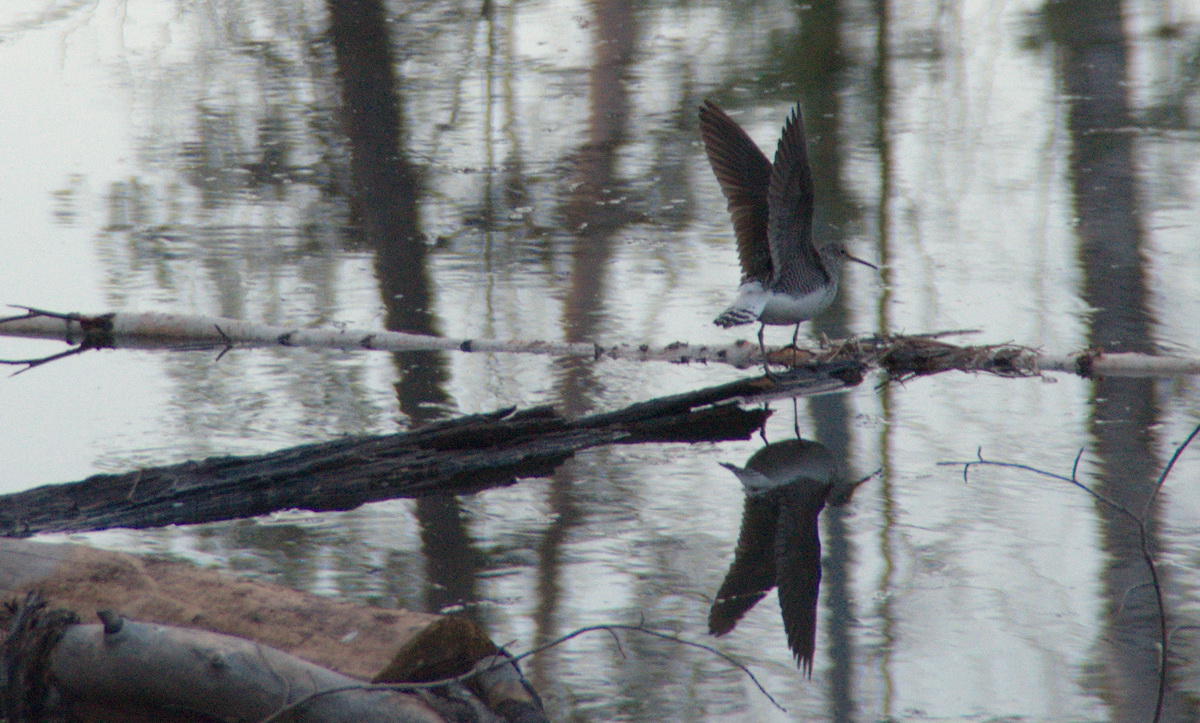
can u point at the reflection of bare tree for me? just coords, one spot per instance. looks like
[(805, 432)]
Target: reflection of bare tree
[(234, 204), (670, 197), (881, 85), (385, 194), (1093, 62), (594, 211), (817, 58), (1175, 108)]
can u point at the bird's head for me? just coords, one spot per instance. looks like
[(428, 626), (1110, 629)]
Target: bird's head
[(835, 254)]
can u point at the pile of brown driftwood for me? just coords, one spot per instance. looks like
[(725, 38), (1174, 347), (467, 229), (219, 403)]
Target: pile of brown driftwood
[(104, 636)]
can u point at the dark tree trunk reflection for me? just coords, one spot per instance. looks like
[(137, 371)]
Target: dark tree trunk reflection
[(385, 194), (817, 63), (594, 222), (1093, 62)]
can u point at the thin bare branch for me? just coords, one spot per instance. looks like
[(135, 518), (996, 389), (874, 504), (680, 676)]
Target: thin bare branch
[(1167, 470), (1143, 539), (611, 629)]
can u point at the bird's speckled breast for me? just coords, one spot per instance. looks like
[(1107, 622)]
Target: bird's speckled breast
[(784, 309)]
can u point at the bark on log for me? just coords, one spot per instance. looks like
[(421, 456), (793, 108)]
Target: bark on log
[(459, 456)]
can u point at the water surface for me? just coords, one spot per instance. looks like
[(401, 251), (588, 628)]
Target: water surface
[(532, 170)]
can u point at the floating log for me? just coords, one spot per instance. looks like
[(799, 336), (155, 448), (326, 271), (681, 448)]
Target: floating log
[(902, 356), (458, 456)]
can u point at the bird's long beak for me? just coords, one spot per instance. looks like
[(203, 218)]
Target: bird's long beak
[(864, 263)]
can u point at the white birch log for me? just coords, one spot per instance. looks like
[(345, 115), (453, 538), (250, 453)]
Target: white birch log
[(153, 329), (900, 355)]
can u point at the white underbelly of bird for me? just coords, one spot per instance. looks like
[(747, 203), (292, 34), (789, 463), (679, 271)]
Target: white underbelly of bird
[(756, 303)]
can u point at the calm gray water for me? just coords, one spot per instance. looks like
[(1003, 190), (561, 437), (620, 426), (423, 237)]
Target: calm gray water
[(532, 170)]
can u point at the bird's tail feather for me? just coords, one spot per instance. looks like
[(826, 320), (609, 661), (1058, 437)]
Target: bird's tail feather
[(734, 316)]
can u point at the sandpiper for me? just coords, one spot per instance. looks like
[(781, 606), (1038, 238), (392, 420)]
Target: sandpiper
[(785, 278)]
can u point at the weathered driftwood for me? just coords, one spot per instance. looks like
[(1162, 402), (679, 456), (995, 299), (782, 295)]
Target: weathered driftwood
[(351, 638), (902, 356), (181, 658), (148, 669), (458, 456)]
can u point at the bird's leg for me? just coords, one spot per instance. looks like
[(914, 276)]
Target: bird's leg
[(762, 349), (795, 349)]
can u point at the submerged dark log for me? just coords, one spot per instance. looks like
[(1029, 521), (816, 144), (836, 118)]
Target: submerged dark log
[(458, 456)]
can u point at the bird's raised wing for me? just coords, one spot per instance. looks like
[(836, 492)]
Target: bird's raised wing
[(790, 201), (745, 177)]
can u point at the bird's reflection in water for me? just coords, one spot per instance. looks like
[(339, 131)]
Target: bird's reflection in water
[(787, 485)]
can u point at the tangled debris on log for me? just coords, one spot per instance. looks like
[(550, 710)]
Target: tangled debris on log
[(908, 357)]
